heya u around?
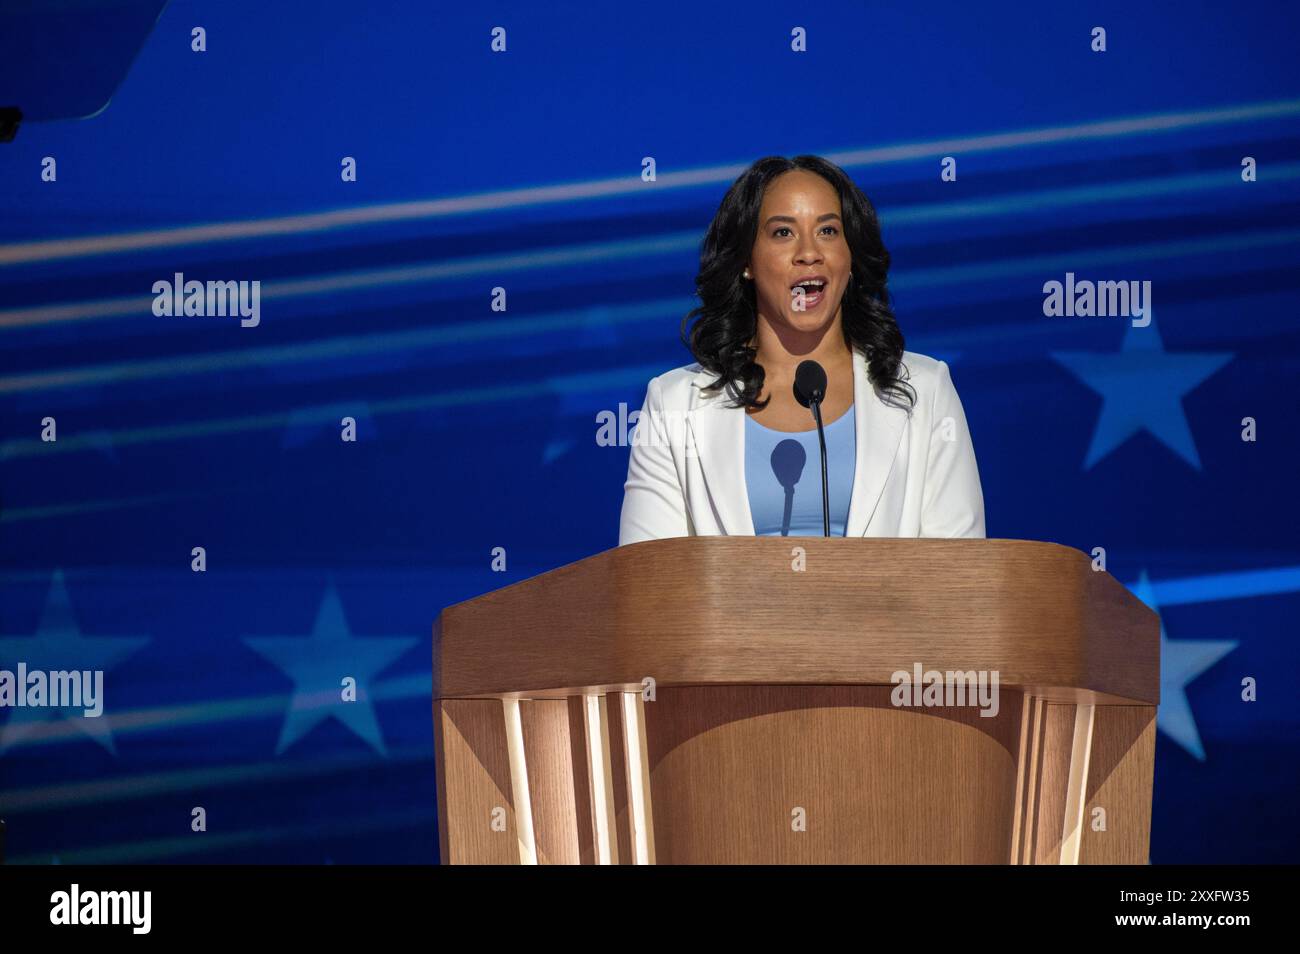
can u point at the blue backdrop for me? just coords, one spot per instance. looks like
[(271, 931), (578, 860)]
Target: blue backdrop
[(477, 428)]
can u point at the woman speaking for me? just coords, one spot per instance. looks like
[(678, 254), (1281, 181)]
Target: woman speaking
[(793, 270)]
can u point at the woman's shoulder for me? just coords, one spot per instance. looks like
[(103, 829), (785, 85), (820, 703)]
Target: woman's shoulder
[(926, 374), (675, 387), (916, 367)]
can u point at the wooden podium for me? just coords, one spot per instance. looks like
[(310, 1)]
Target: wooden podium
[(733, 700)]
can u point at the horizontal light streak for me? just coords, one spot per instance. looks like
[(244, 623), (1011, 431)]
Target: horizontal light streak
[(505, 199)]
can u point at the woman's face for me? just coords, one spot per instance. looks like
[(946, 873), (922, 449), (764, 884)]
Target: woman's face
[(800, 236)]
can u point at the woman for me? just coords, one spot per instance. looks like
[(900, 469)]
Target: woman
[(793, 268)]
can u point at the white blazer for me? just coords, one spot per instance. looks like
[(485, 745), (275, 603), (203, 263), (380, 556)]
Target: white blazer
[(915, 474)]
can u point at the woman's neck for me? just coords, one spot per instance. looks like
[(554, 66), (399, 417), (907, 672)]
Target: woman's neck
[(781, 351)]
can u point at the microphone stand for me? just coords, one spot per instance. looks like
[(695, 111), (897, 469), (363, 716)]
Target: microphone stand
[(816, 405)]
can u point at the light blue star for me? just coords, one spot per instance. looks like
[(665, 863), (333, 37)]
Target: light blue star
[(58, 645), (555, 449), (318, 664), (1142, 388), (1181, 661)]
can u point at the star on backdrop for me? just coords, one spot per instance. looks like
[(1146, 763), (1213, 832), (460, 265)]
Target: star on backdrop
[(1181, 661), (58, 645), (1142, 388), (318, 663), (555, 449)]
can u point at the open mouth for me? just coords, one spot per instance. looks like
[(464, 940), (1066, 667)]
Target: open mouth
[(808, 293)]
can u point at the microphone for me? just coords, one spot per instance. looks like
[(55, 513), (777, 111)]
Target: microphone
[(809, 390)]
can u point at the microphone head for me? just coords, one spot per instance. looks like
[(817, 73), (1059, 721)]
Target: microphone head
[(809, 383)]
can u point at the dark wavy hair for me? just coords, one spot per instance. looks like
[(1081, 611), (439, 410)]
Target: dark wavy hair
[(726, 320)]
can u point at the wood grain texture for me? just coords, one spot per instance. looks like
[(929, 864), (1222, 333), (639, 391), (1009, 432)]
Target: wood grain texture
[(618, 770), (1077, 790), (773, 702), (636, 756), (1020, 814), (1030, 764), (552, 779), (731, 610), (473, 781), (1120, 778), (875, 783), (600, 779), (1053, 780)]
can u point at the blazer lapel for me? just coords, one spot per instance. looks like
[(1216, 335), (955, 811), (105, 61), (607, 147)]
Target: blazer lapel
[(878, 428), (719, 432)]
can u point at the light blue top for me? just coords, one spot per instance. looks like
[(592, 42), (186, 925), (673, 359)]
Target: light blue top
[(783, 476)]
